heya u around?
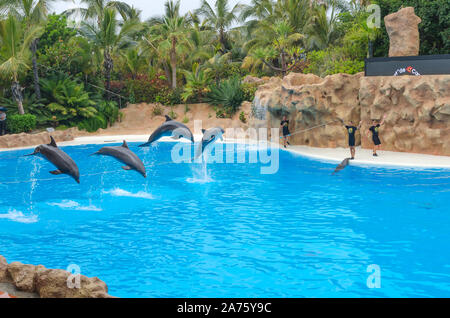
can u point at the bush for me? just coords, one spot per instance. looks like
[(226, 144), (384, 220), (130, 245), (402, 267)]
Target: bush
[(242, 117), (328, 62), (227, 96), (157, 110), (21, 123), (249, 91)]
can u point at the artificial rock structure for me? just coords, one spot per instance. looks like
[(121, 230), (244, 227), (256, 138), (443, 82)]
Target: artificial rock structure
[(417, 109)]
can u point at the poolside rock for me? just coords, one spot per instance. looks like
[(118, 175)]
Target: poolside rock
[(50, 283), (22, 276), (417, 109), (403, 31), (308, 101), (53, 283), (3, 270), (26, 140)]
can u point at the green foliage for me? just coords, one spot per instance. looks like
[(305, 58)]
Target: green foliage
[(56, 32), (227, 96), (328, 62), (107, 114), (197, 82), (242, 117), (185, 120), (31, 105), (143, 89), (67, 100), (249, 91), (157, 110), (21, 123), (434, 29)]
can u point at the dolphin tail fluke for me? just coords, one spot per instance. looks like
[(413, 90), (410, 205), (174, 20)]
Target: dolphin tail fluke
[(31, 154), (147, 144)]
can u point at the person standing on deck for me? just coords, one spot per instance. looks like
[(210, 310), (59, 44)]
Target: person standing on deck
[(351, 129), (286, 134), (375, 128), (2, 123)]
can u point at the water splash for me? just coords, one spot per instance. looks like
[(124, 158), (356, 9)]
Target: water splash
[(201, 173), (18, 216), (73, 205), (117, 192)]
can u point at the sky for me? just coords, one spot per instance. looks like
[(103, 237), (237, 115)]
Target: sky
[(149, 8)]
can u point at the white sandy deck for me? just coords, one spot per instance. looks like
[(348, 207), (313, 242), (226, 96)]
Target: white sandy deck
[(363, 156)]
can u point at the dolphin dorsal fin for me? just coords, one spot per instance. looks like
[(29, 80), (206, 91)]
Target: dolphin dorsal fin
[(52, 142), (125, 145), (168, 118), (203, 131)]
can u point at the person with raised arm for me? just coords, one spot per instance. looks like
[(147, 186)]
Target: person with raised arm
[(375, 128)]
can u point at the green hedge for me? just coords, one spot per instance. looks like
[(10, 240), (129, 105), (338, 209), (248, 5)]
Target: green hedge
[(20, 123)]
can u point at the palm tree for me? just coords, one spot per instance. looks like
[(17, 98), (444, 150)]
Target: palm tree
[(15, 53), (322, 29), (277, 42), (32, 12), (170, 36), (95, 9), (221, 18), (110, 38)]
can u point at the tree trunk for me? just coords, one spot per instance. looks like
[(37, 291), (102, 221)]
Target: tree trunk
[(283, 64), (167, 72), (17, 95), (37, 88), (173, 62), (222, 39), (108, 64)]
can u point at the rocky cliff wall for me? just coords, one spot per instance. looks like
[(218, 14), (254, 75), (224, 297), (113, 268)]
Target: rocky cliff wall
[(417, 109)]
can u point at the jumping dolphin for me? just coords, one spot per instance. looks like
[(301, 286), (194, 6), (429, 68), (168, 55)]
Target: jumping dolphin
[(126, 156), (209, 136), (177, 130), (59, 158), (342, 165)]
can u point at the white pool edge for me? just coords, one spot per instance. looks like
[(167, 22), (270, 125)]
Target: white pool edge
[(335, 155)]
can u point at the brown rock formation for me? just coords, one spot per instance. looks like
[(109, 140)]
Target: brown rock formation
[(403, 31), (417, 109), (25, 140), (49, 283)]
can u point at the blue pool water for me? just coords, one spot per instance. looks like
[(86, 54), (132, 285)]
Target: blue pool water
[(298, 233)]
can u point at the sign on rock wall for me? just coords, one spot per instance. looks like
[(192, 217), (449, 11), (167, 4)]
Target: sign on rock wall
[(408, 65)]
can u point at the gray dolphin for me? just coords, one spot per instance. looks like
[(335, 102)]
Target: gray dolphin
[(124, 155), (342, 165), (59, 158), (209, 136), (177, 129)]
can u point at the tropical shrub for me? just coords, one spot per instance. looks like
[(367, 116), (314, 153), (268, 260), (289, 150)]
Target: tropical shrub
[(242, 117), (157, 110), (249, 91), (67, 100), (328, 62), (227, 96), (21, 123), (147, 90), (107, 114), (197, 82)]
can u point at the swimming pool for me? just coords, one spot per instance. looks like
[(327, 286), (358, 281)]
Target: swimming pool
[(235, 233)]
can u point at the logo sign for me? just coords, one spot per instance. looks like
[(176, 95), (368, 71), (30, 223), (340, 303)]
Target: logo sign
[(409, 70)]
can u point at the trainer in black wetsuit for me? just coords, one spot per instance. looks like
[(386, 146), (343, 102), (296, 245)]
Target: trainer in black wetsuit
[(375, 137), (351, 130), (375, 129), (286, 134)]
